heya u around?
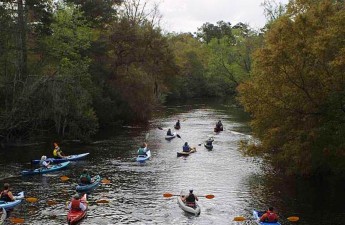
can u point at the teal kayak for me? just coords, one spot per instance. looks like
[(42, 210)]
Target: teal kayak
[(41, 170), (67, 158), (96, 181)]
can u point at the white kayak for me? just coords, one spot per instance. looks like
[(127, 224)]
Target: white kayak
[(169, 137), (143, 158), (193, 210)]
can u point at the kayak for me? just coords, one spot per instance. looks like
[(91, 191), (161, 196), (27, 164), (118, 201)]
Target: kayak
[(73, 217), (217, 129), (3, 216), (10, 205), (177, 127), (96, 180), (209, 147), (258, 214), (67, 158), (46, 170), (186, 153), (169, 137), (143, 158), (193, 210)]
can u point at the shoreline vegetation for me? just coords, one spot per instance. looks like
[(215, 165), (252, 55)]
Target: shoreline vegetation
[(69, 69)]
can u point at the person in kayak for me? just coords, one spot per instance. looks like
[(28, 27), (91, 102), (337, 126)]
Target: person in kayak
[(190, 199), (209, 141), (43, 163), (185, 147), (143, 149), (57, 153), (76, 204), (178, 123), (269, 216), (85, 177), (169, 133), (6, 195), (219, 125)]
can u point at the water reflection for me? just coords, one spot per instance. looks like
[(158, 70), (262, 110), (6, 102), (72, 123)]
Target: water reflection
[(135, 193)]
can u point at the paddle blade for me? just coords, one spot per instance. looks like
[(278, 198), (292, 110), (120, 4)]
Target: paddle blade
[(105, 181), (51, 202), (209, 196), (16, 220), (64, 178), (239, 218), (102, 201), (293, 218), (178, 135), (167, 195), (160, 128), (31, 200)]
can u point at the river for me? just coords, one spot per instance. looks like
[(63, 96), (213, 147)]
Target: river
[(240, 184)]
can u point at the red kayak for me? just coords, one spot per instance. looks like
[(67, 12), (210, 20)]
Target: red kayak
[(217, 129), (73, 217)]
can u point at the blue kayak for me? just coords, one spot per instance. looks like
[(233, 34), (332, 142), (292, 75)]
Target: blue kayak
[(67, 158), (10, 205), (96, 180), (143, 158), (258, 214), (46, 170)]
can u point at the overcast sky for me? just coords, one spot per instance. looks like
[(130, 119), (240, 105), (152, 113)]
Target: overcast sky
[(188, 15)]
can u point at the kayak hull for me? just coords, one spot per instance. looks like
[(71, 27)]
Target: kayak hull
[(67, 158), (3, 216), (169, 137), (257, 214), (186, 153), (218, 129), (74, 217), (195, 211), (89, 187), (143, 158), (46, 170), (11, 205), (177, 127), (209, 147)]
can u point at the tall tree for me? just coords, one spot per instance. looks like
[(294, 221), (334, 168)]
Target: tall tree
[(296, 96)]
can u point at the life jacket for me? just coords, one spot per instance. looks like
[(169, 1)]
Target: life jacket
[(271, 217), (75, 205), (55, 154), (185, 148), (5, 197), (190, 200), (84, 179), (142, 151), (169, 133)]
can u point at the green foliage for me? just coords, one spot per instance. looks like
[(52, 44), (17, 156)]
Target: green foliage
[(296, 96)]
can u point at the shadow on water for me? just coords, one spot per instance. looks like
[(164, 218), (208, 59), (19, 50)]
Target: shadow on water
[(239, 183)]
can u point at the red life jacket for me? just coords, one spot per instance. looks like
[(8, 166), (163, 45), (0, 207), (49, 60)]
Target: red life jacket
[(271, 217), (75, 206)]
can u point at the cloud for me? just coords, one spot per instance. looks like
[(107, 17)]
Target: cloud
[(188, 15)]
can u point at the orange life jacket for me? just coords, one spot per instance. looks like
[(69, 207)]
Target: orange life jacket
[(75, 206)]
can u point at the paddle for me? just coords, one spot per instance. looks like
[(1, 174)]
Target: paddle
[(16, 220), (64, 178), (168, 195), (291, 218), (101, 201), (31, 199)]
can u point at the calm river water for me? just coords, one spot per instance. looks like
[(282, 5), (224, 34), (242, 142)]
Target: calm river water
[(240, 184)]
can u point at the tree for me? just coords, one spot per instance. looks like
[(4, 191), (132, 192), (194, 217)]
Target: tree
[(296, 96)]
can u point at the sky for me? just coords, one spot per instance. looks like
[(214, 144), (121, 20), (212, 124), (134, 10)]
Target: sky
[(188, 15)]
